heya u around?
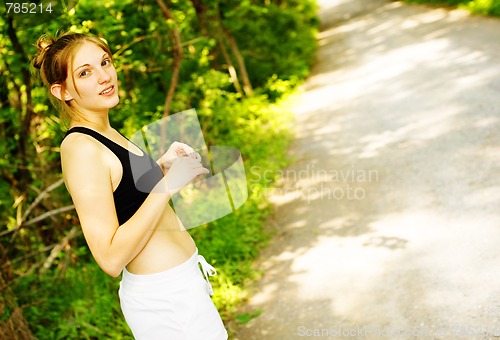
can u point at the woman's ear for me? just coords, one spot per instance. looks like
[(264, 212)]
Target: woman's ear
[(57, 91)]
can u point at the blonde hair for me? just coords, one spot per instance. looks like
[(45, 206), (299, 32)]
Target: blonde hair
[(53, 57)]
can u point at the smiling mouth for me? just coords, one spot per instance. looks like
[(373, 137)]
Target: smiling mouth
[(108, 90)]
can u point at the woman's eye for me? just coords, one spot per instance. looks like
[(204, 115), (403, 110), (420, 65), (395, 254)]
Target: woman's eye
[(84, 73), (106, 62)]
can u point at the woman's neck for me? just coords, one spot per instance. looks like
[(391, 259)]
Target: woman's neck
[(100, 124)]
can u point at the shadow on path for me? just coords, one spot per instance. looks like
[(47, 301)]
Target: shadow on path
[(388, 220)]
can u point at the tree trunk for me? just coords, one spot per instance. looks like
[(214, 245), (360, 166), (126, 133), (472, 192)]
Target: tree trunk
[(24, 176), (230, 67), (201, 14), (175, 38), (13, 325), (247, 85)]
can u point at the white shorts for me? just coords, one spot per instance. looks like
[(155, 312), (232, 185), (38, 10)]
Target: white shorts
[(174, 304)]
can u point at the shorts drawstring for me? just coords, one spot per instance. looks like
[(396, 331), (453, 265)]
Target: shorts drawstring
[(207, 270)]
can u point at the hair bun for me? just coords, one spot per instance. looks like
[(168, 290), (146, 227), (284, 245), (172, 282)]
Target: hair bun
[(43, 44)]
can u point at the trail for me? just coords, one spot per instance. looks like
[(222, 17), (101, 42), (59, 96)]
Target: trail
[(389, 221)]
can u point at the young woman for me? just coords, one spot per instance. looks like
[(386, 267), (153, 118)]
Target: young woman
[(163, 294)]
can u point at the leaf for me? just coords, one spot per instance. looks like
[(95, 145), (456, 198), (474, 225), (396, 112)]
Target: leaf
[(247, 317)]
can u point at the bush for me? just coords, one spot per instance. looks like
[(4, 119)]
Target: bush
[(483, 7), (80, 304)]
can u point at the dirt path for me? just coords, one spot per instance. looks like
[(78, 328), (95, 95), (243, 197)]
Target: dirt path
[(389, 221)]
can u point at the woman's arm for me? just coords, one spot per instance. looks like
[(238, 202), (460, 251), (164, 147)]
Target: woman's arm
[(88, 179)]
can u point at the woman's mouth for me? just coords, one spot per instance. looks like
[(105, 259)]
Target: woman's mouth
[(108, 92)]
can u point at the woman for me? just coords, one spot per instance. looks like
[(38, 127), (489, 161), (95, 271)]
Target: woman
[(163, 294)]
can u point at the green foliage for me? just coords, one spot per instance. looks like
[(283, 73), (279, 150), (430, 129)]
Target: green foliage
[(438, 2), (82, 304), (483, 7), (277, 40), (246, 317)]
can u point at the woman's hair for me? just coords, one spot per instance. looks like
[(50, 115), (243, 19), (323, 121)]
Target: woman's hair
[(54, 56)]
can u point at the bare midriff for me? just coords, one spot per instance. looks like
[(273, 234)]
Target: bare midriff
[(169, 245)]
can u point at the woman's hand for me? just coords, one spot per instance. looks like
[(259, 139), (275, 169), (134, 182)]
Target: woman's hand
[(182, 171), (177, 150)]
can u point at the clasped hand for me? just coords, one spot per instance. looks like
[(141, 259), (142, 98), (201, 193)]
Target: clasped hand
[(181, 164), (177, 150)]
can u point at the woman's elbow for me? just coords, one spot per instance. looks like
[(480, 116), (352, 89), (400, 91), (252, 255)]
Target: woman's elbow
[(113, 272), (112, 269)]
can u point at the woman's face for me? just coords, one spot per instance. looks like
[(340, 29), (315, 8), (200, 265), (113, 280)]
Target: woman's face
[(94, 76)]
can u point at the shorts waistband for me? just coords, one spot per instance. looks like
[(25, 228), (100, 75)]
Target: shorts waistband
[(132, 281), (169, 274)]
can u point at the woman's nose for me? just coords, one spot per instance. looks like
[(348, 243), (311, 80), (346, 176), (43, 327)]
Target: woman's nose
[(104, 76)]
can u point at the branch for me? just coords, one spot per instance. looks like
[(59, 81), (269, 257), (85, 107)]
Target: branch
[(75, 231), (19, 259), (21, 221), (133, 42), (41, 196), (48, 214), (38, 218)]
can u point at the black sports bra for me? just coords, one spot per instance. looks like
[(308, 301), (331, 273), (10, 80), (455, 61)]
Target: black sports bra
[(140, 175)]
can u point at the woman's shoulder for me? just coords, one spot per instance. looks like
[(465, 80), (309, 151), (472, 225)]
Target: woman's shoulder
[(82, 150), (81, 145), (84, 163)]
